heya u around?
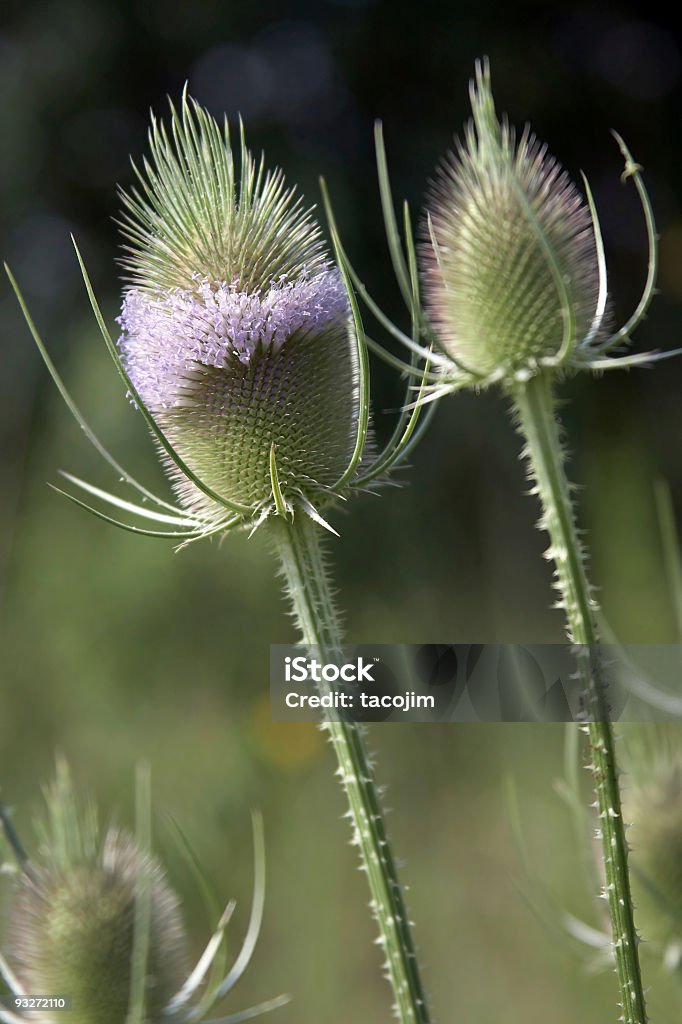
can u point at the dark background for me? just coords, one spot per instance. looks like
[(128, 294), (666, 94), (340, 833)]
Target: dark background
[(114, 649)]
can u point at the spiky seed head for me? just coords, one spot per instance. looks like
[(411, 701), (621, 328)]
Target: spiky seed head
[(72, 925), (509, 257), (235, 327), (653, 804)]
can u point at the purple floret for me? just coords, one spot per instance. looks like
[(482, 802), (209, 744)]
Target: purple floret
[(165, 337)]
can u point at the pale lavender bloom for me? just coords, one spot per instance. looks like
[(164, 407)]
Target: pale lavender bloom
[(166, 337), (240, 343)]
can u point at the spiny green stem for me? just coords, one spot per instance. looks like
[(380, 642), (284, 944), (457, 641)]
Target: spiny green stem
[(307, 582), (538, 423)]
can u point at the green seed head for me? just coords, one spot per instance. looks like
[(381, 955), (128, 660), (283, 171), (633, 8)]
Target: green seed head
[(73, 933), (510, 261), (653, 804), (72, 930), (235, 330)]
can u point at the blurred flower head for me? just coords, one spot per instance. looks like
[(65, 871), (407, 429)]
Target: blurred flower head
[(653, 806), (94, 919)]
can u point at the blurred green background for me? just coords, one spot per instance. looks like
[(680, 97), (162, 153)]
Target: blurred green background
[(115, 649)]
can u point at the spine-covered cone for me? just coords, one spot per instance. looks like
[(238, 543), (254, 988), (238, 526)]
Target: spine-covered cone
[(510, 260), (235, 328), (72, 927)]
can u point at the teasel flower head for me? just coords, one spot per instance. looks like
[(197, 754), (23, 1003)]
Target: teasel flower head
[(511, 264), (510, 255), (236, 329), (95, 921), (653, 805), (240, 342)]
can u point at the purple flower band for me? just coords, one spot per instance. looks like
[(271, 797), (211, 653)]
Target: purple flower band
[(164, 338)]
